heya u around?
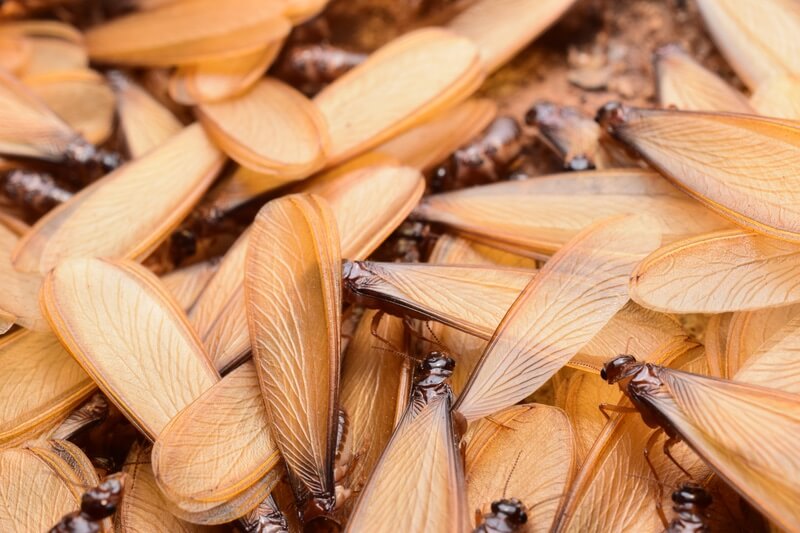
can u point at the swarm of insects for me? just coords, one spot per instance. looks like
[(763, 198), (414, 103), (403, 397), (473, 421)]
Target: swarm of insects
[(441, 266)]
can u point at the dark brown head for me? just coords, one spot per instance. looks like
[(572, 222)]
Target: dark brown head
[(691, 495), (101, 501), (612, 115), (435, 369), (512, 510), (619, 368)]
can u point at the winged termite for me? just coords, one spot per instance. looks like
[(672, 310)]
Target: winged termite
[(536, 337), (506, 516), (773, 364), (97, 503), (484, 159), (271, 129), (755, 37), (684, 83), (130, 336), (183, 33), (144, 509), (524, 451), (80, 97), (30, 129), (538, 216), (418, 483), (40, 384), (615, 464), (718, 272), (777, 97), (500, 29), (19, 299), (469, 298), (130, 230), (187, 283), (219, 447), (574, 136), (687, 147), (225, 78), (749, 332), (145, 123), (310, 67), (354, 106), (293, 302), (92, 412), (374, 390), (715, 417)]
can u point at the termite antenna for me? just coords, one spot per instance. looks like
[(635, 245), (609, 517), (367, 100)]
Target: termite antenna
[(511, 473)]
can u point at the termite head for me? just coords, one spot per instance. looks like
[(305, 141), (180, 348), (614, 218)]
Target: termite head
[(435, 369), (612, 115), (619, 368), (512, 509), (101, 501), (692, 495)]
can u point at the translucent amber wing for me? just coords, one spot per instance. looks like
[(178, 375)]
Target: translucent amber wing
[(560, 310), (129, 336), (293, 302)]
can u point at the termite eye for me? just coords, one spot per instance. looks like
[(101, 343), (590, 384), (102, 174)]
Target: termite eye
[(603, 375)]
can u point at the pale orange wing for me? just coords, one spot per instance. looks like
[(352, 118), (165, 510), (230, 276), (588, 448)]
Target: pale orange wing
[(145, 123), (501, 28), (143, 508), (748, 434), (219, 446), (719, 272), (524, 452), (432, 141), (775, 364), (217, 80), (271, 128), (187, 33), (374, 392), (129, 336), (293, 302), (715, 340), (186, 283), (399, 85), (81, 97), (779, 97), (541, 215), (739, 166), (40, 382), (418, 484), (571, 298), (749, 332), (218, 315), (685, 84), (470, 298), (127, 213), (368, 203), (757, 38), (20, 296)]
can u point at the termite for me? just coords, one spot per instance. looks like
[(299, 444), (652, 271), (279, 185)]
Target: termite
[(97, 504)]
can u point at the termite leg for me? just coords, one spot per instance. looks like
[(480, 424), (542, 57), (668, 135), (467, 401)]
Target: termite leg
[(605, 408), (668, 444), (659, 489), (376, 320), (478, 516)]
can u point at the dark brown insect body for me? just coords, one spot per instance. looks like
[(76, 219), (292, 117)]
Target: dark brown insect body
[(356, 282), (507, 516), (484, 160), (97, 504), (572, 135), (310, 67), (37, 191), (691, 507), (431, 378)]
